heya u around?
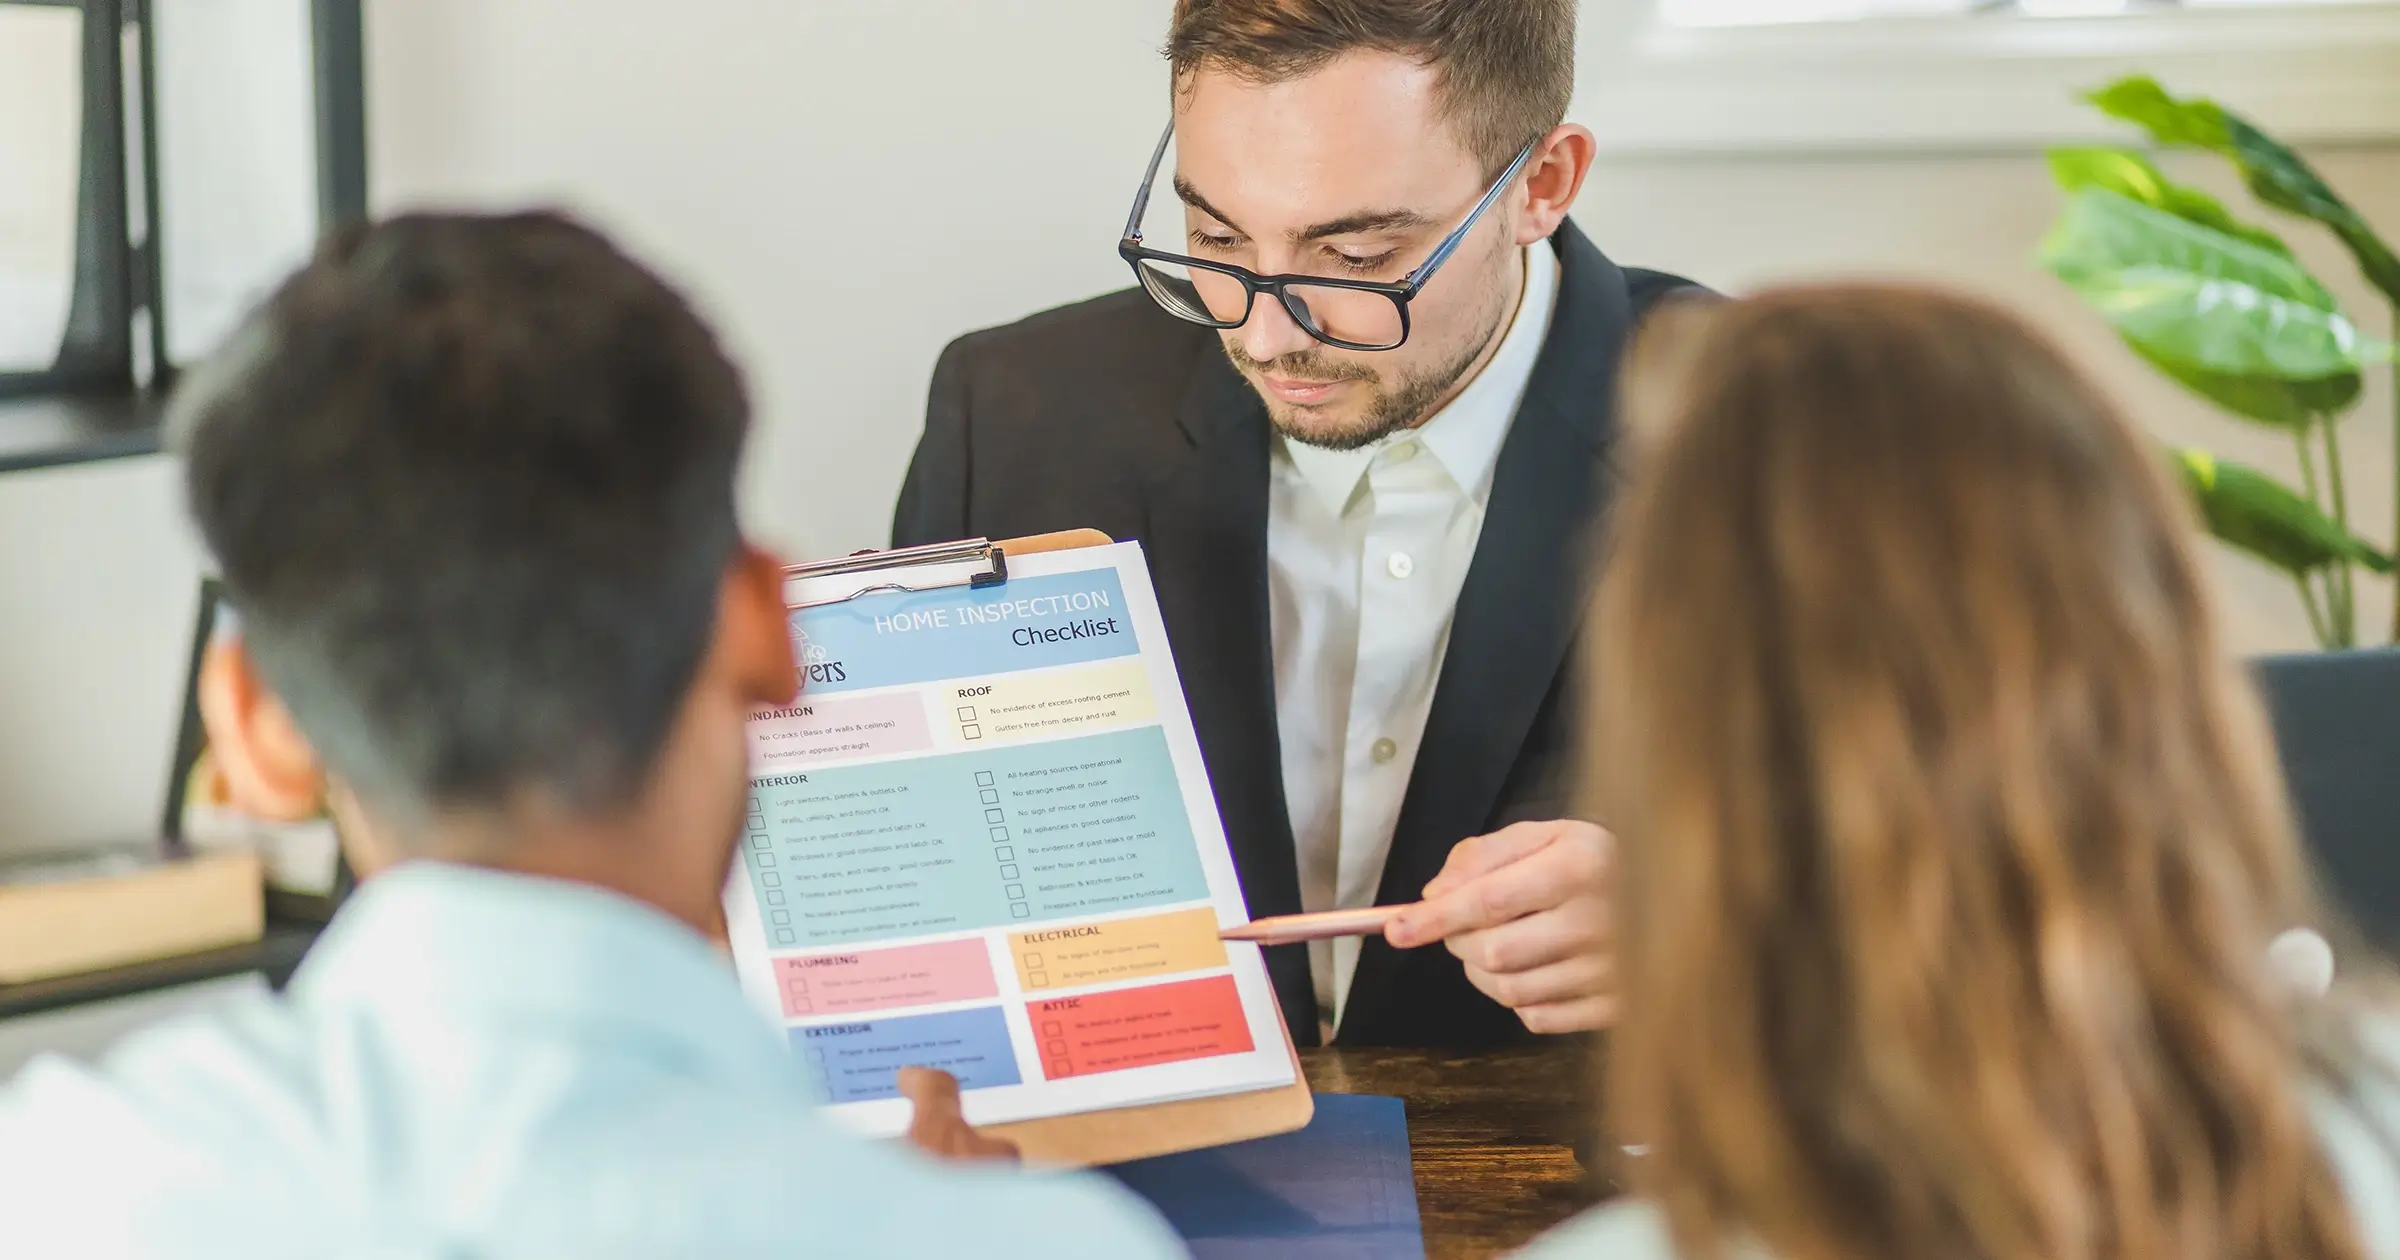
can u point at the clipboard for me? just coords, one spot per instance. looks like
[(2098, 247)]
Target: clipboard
[(1091, 1137)]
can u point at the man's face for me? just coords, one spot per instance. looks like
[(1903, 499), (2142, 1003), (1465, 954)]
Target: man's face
[(1347, 172)]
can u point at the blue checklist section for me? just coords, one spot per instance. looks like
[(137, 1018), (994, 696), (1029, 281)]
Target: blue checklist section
[(858, 1061), (955, 632), (967, 841)]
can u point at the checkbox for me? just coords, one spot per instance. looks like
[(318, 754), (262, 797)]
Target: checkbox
[(1016, 892), (1052, 1028), (758, 840), (783, 936), (1004, 853), (1037, 979), (999, 835), (1032, 961), (966, 715), (779, 917), (993, 816), (1057, 1048), (797, 988), (991, 796), (970, 732), (1018, 911), (766, 859), (802, 1006), (983, 778), (1008, 870), (775, 896), (770, 879)]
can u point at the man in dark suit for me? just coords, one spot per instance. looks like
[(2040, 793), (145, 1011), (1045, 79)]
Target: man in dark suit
[(1359, 415)]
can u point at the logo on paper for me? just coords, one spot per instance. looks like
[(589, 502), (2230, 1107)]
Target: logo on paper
[(816, 663)]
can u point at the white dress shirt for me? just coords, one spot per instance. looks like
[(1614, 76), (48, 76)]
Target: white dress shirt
[(1366, 551)]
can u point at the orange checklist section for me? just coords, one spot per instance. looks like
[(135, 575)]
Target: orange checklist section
[(881, 979), (1125, 949), (1131, 1028)]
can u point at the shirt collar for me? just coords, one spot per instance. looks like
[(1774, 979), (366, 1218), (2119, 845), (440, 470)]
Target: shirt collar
[(1465, 435), (434, 941)]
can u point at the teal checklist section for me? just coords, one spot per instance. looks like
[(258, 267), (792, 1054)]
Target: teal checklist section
[(973, 840), (891, 639)]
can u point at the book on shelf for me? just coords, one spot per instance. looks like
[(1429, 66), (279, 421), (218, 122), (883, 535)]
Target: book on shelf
[(95, 908)]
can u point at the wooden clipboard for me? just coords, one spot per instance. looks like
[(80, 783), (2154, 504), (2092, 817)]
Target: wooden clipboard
[(1123, 1133)]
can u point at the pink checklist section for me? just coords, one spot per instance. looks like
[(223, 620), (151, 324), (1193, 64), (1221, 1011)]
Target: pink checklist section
[(880, 979), (839, 726)]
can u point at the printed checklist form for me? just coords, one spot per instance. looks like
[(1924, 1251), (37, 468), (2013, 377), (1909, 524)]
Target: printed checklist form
[(982, 840)]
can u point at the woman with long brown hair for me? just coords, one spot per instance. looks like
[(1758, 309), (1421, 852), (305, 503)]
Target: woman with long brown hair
[(1953, 840)]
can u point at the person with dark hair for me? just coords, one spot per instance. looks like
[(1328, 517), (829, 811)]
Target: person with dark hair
[(470, 481), (1958, 879), (1357, 413)]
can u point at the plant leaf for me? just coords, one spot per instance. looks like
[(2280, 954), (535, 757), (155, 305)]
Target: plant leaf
[(2129, 174), (2285, 404), (2275, 174), (2262, 516), (2206, 304)]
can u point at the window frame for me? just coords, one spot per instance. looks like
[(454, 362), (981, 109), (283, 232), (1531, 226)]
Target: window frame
[(107, 400), (1990, 82)]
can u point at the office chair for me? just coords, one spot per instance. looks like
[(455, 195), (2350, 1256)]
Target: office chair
[(2337, 726)]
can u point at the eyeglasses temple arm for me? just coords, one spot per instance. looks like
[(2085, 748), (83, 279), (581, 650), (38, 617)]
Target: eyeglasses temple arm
[(1141, 200), (1458, 235)]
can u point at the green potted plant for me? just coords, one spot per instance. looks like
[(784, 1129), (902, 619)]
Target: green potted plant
[(2222, 306)]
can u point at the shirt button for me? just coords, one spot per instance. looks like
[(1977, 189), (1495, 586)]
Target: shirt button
[(1400, 565), (1385, 750), (1404, 452)]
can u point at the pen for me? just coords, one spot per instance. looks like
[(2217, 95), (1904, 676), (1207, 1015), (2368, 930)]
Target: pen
[(1288, 929)]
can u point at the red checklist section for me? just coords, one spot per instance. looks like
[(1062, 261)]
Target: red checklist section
[(881, 979), (1130, 1028)]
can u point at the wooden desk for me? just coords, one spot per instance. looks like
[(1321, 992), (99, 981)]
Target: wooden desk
[(1489, 1135)]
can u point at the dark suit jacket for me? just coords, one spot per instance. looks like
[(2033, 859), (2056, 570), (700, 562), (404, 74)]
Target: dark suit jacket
[(1115, 415)]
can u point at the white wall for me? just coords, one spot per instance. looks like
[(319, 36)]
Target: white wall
[(845, 185)]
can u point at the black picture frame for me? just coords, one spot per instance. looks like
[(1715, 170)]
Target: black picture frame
[(104, 396)]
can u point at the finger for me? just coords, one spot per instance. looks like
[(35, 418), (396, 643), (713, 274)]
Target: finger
[(1583, 1015), (934, 1112), (1475, 855), (1579, 929), (1571, 980), (1544, 880)]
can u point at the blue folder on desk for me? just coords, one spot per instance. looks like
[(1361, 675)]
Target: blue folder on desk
[(1339, 1189)]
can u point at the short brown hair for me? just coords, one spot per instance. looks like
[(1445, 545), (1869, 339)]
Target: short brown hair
[(1507, 66), (1952, 835)]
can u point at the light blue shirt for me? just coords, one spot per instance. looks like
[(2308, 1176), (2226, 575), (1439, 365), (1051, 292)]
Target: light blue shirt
[(476, 1066)]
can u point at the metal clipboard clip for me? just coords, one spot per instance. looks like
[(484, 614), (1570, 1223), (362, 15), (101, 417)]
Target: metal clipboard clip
[(974, 563)]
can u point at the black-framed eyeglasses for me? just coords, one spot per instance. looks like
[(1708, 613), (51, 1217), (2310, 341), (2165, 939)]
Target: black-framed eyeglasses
[(1351, 314)]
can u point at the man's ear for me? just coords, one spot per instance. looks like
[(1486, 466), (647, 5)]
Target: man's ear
[(270, 770), (755, 630), (1553, 177)]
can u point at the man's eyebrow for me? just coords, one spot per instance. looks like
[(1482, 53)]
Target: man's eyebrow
[(1364, 221), (1191, 197), (1360, 221)]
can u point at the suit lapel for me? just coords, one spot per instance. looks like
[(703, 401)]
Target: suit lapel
[(1524, 594), (1207, 545)]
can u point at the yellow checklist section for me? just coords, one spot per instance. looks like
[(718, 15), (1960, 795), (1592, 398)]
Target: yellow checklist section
[(1040, 706), (1126, 949)]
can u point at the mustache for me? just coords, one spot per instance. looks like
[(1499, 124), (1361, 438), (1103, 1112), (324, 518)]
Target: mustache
[(1300, 365)]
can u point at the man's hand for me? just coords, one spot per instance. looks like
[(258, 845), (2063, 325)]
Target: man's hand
[(938, 1127), (1526, 909)]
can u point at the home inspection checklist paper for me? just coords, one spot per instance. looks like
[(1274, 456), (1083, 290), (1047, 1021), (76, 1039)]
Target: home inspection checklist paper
[(982, 840)]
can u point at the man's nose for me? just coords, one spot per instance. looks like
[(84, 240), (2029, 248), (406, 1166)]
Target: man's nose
[(1271, 333)]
